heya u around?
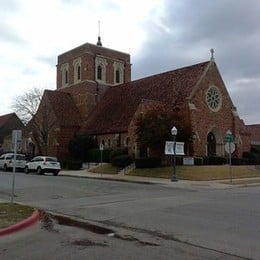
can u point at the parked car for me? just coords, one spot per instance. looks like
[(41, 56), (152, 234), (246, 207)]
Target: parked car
[(43, 164), (7, 161)]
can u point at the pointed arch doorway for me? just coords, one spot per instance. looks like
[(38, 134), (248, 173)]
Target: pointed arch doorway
[(211, 144)]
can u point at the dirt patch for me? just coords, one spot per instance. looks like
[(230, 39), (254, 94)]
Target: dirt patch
[(48, 222), (87, 242)]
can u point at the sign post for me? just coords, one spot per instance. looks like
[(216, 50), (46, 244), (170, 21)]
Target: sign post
[(101, 148), (229, 148), (16, 138)]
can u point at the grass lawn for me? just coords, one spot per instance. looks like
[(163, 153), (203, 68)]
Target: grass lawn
[(105, 168), (13, 213), (196, 173)]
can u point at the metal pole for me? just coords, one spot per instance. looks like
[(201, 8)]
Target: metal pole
[(230, 163), (14, 167), (101, 157), (174, 177)]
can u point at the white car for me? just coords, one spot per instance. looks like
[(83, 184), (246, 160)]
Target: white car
[(7, 161), (43, 164)]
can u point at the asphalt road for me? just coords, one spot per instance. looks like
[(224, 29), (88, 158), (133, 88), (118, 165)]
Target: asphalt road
[(166, 222)]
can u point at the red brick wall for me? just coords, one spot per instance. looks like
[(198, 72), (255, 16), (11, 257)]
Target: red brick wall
[(85, 96), (255, 132), (144, 107), (114, 139), (88, 53), (203, 120), (63, 136)]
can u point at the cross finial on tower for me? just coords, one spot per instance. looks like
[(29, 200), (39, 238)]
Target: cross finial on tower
[(212, 54), (99, 38)]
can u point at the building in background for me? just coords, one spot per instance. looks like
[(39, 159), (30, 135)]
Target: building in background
[(8, 123)]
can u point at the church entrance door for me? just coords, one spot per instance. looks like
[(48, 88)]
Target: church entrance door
[(211, 144)]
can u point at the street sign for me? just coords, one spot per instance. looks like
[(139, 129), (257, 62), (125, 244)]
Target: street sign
[(16, 136), (229, 138), (230, 147)]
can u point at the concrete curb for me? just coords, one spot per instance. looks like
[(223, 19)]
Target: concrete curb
[(21, 225)]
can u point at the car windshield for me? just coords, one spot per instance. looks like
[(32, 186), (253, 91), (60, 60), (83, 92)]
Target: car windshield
[(51, 159)]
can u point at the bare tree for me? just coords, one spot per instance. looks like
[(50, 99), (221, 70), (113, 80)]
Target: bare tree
[(26, 105), (42, 124)]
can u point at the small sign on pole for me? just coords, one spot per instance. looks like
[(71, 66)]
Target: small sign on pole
[(229, 148)]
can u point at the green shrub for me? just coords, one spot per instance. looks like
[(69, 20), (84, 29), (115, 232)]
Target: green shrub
[(239, 161), (251, 157), (121, 161), (94, 155), (117, 152), (198, 161), (214, 160), (148, 162), (71, 165), (79, 145)]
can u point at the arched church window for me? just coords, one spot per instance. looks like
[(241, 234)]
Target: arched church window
[(127, 141), (100, 68), (64, 74), (78, 72), (99, 72), (117, 76), (118, 72), (66, 77), (211, 144)]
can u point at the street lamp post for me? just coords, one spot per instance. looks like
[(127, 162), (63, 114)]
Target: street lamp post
[(174, 132)]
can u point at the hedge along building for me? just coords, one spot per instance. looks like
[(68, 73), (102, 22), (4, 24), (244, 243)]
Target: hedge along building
[(95, 95)]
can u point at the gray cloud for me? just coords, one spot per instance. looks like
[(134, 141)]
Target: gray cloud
[(9, 35), (190, 28), (10, 5), (7, 32), (49, 60)]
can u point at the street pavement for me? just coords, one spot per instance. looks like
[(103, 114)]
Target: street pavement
[(181, 184), (184, 184)]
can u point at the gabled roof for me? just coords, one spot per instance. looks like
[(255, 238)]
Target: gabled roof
[(5, 118), (116, 109), (64, 108)]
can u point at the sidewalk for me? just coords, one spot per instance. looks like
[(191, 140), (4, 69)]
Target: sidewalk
[(185, 184)]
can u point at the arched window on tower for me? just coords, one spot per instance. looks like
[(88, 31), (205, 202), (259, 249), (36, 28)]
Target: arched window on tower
[(99, 72), (78, 72), (66, 77), (117, 76), (118, 72)]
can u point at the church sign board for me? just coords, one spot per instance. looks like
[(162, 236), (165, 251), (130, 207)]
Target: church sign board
[(169, 148)]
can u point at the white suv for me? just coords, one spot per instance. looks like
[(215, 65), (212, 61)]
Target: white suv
[(7, 161), (42, 164)]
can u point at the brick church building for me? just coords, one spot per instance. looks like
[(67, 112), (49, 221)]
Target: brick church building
[(95, 95)]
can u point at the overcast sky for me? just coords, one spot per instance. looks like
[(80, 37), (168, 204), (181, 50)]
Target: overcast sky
[(160, 35)]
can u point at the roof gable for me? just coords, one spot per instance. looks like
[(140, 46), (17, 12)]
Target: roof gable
[(63, 107), (5, 118)]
